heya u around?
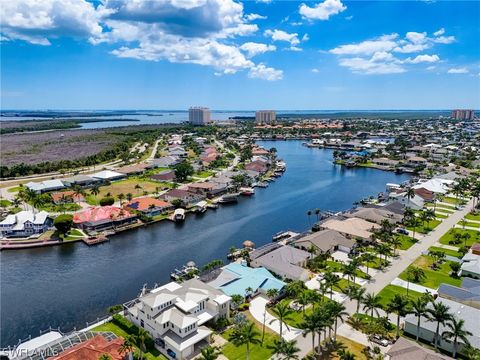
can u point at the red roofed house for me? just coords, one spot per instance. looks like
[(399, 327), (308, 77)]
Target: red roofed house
[(475, 249), (93, 348), (66, 197), (258, 166), (149, 206), (103, 218), (259, 151), (425, 194)]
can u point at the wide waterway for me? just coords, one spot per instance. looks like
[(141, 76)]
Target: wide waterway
[(70, 284)]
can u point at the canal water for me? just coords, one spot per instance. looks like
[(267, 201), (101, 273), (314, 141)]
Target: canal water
[(68, 285)]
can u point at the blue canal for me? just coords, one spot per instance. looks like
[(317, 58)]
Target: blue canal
[(68, 285)]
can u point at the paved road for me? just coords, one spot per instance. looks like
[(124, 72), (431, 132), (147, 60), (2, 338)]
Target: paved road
[(154, 151)]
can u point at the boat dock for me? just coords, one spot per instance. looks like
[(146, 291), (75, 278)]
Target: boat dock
[(95, 240)]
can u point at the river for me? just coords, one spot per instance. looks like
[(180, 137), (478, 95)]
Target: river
[(68, 285)]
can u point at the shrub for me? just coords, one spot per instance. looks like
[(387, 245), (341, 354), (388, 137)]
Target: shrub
[(63, 223), (243, 307), (107, 201)]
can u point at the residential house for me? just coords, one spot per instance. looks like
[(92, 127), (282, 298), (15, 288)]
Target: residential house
[(165, 175), (285, 261), (81, 180), (460, 311), (404, 349), (470, 266), (351, 227), (66, 197), (175, 316), (187, 197), (415, 161), (258, 166), (103, 218), (164, 162), (374, 214), (45, 186), (325, 241), (135, 169), (468, 293), (108, 175), (25, 223), (149, 206), (93, 349), (426, 195), (386, 162), (177, 151), (207, 189), (415, 202), (236, 279)]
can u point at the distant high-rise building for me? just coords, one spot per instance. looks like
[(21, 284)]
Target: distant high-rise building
[(198, 115), (459, 114), (263, 117)]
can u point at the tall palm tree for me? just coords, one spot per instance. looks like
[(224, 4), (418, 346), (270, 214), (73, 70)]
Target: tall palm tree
[(395, 242), (419, 309), (209, 353), (409, 193), (129, 196), (310, 326), (141, 337), (344, 354), (349, 271), (414, 223), (303, 299), (127, 347), (367, 258), (371, 302), (309, 213), (415, 274), (439, 313), (285, 350), (337, 311), (95, 190), (121, 197), (272, 293), (357, 293), (331, 280), (399, 305), (317, 213), (282, 311), (457, 331), (245, 335)]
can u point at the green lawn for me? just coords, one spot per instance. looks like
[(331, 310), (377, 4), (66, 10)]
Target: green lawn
[(447, 208), (14, 189), (471, 216), (425, 229), (469, 224), (433, 278), (407, 241), (257, 351), (5, 203), (338, 267), (453, 200), (440, 216), (51, 207), (72, 235), (447, 239), (295, 319), (204, 174), (446, 251), (389, 291), (111, 327), (343, 284)]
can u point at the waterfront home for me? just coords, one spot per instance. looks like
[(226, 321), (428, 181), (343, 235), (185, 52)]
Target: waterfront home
[(470, 265), (325, 241), (258, 166), (285, 261), (460, 311), (149, 206), (135, 169), (175, 316), (164, 161), (25, 223), (81, 180), (165, 175), (65, 197), (395, 207), (386, 162), (468, 293), (415, 202), (374, 214), (108, 175), (404, 349), (93, 348), (45, 186), (236, 279), (415, 161), (350, 227), (103, 218), (186, 197), (208, 189), (258, 151)]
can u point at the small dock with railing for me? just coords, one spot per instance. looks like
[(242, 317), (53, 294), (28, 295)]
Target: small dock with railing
[(95, 240)]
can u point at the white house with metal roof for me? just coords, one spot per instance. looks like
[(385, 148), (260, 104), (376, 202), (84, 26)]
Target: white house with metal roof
[(174, 315), (44, 186), (25, 223)]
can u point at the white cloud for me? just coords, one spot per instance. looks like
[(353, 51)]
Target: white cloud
[(379, 63), (38, 21), (411, 48), (423, 58), (461, 70), (294, 48), (305, 37), (323, 10), (439, 32), (263, 72), (280, 35), (252, 48), (349, 17), (416, 37), (444, 39), (253, 17), (315, 70), (368, 47), (432, 67)]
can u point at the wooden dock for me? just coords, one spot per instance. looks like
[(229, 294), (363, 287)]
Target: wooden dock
[(90, 241)]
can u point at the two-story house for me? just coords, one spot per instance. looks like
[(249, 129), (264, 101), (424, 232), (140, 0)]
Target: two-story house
[(174, 315), (25, 224)]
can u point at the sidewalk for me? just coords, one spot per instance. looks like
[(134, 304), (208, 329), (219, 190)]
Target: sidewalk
[(414, 287)]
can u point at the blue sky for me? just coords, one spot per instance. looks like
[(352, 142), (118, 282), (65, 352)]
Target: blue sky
[(226, 54)]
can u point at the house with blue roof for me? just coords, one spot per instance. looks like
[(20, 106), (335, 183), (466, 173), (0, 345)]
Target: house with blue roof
[(235, 279)]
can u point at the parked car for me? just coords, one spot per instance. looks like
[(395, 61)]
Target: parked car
[(171, 353), (377, 339), (402, 231)]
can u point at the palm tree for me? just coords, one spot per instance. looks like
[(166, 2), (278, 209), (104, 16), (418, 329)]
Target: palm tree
[(309, 213), (345, 355), (337, 311), (457, 331), (95, 190), (367, 258), (440, 314), (248, 291), (349, 271), (245, 335), (121, 197), (105, 357), (272, 293), (317, 213), (209, 353), (282, 311), (357, 293), (395, 242), (409, 193), (415, 274), (77, 191), (303, 299), (371, 302), (129, 196), (138, 187), (288, 349), (414, 223), (127, 347), (419, 309), (310, 326), (141, 338), (331, 280), (37, 202), (399, 305)]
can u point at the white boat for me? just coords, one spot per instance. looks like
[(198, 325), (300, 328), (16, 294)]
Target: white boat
[(179, 215), (247, 191), (201, 206), (228, 198), (262, 184)]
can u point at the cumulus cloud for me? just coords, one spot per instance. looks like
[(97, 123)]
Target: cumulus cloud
[(322, 11), (253, 17), (38, 21), (253, 48), (315, 70), (375, 56), (461, 70), (263, 72), (280, 35)]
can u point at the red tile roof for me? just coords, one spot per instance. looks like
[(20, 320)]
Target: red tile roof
[(94, 214), (57, 196), (142, 204), (92, 349)]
